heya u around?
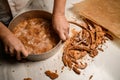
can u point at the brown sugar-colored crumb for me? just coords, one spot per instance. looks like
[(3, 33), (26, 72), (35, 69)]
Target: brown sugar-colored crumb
[(51, 75), (93, 53), (76, 70), (62, 67), (100, 49), (56, 71), (61, 71), (90, 77), (27, 78)]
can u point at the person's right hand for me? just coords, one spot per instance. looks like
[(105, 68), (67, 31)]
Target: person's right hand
[(61, 26), (12, 44)]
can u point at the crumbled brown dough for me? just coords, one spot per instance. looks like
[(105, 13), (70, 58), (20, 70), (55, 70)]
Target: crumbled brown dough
[(62, 67), (51, 75), (56, 71), (76, 70), (27, 79), (90, 77), (82, 66), (36, 34), (100, 49), (109, 36), (82, 43)]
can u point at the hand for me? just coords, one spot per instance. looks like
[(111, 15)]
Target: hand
[(12, 45), (61, 26)]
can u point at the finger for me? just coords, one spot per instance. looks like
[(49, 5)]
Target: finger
[(62, 36), (6, 49), (67, 33), (11, 51), (24, 52), (18, 56)]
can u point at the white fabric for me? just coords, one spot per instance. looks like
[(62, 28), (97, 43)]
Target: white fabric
[(20, 5), (17, 5)]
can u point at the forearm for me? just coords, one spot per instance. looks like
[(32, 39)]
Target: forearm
[(3, 30), (59, 7), (59, 21), (12, 45)]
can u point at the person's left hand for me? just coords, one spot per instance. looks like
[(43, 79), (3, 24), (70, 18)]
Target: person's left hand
[(61, 26)]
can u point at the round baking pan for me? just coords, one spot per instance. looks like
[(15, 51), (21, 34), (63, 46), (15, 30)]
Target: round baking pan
[(35, 14)]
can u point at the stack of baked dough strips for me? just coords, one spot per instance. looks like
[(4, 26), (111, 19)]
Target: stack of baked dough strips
[(88, 41)]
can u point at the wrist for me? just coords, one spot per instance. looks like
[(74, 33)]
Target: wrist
[(57, 15)]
